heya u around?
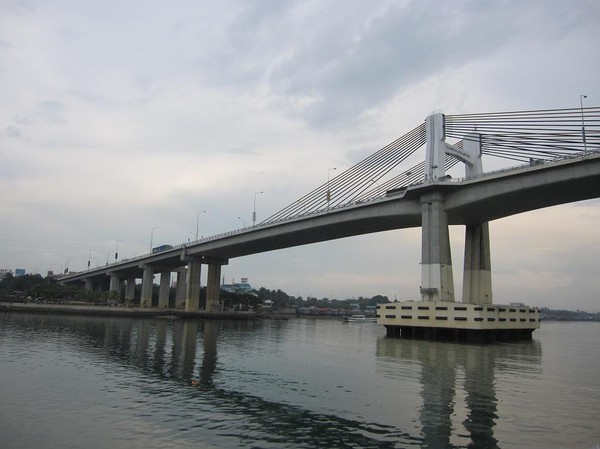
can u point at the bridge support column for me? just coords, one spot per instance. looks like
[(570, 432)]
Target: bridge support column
[(477, 276), (147, 280), (213, 283), (130, 289), (89, 285), (115, 284), (180, 289), (437, 283), (192, 288), (163, 292)]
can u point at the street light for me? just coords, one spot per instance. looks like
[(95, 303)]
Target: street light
[(243, 221), (89, 257), (198, 221), (67, 264), (328, 196), (581, 97), (254, 210), (117, 250), (152, 237)]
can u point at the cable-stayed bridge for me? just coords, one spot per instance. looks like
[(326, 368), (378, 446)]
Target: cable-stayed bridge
[(555, 157), (534, 137)]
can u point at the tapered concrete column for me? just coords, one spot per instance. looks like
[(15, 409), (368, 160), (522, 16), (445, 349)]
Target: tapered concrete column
[(477, 276), (147, 279), (213, 280), (130, 289), (115, 283), (163, 292), (180, 288), (89, 285), (192, 288), (437, 283)]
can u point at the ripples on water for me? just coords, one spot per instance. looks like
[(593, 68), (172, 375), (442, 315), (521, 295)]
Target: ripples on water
[(92, 382)]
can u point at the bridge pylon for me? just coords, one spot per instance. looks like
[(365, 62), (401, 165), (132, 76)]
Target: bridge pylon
[(438, 315)]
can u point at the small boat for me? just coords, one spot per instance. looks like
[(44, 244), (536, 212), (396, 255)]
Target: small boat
[(360, 319)]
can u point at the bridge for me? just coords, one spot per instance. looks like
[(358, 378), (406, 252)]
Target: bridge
[(558, 156)]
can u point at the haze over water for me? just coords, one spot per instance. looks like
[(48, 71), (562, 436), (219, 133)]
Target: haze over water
[(69, 381)]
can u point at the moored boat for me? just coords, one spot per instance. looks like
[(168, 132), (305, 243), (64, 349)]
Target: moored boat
[(360, 319)]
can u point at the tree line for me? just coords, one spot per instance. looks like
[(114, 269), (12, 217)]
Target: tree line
[(37, 287)]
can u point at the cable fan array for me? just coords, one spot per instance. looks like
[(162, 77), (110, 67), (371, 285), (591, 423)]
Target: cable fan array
[(531, 135), (524, 136), (353, 182)]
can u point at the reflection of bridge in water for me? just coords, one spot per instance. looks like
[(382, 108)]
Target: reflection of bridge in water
[(443, 366), (186, 352)]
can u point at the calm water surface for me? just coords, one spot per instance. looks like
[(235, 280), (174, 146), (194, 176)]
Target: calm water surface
[(75, 382)]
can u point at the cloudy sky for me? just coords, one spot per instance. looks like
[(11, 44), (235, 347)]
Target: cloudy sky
[(118, 117)]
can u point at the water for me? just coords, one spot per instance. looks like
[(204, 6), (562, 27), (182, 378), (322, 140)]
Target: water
[(72, 382)]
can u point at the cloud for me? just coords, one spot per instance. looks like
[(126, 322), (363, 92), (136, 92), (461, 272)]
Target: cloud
[(11, 132), (118, 117)]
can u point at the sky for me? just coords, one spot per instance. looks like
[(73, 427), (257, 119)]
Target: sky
[(121, 122)]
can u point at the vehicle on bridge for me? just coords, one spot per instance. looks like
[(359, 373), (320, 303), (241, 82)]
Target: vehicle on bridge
[(161, 248)]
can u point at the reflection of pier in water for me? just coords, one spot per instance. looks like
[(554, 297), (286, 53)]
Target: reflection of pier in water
[(442, 365), (179, 351)]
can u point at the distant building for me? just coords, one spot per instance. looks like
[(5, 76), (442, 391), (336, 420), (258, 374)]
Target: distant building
[(237, 287), (20, 272)]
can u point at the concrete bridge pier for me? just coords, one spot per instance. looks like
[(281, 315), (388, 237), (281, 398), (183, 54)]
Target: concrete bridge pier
[(192, 287), (477, 275), (163, 292), (115, 284), (213, 283), (180, 289), (89, 285), (147, 280), (130, 289), (437, 283)]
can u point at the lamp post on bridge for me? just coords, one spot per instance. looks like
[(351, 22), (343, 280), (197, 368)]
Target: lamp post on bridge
[(117, 250), (243, 221), (152, 236), (581, 97), (198, 221), (254, 210), (89, 257), (328, 194)]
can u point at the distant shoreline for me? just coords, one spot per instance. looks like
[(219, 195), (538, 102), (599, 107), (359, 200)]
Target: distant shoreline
[(131, 312)]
